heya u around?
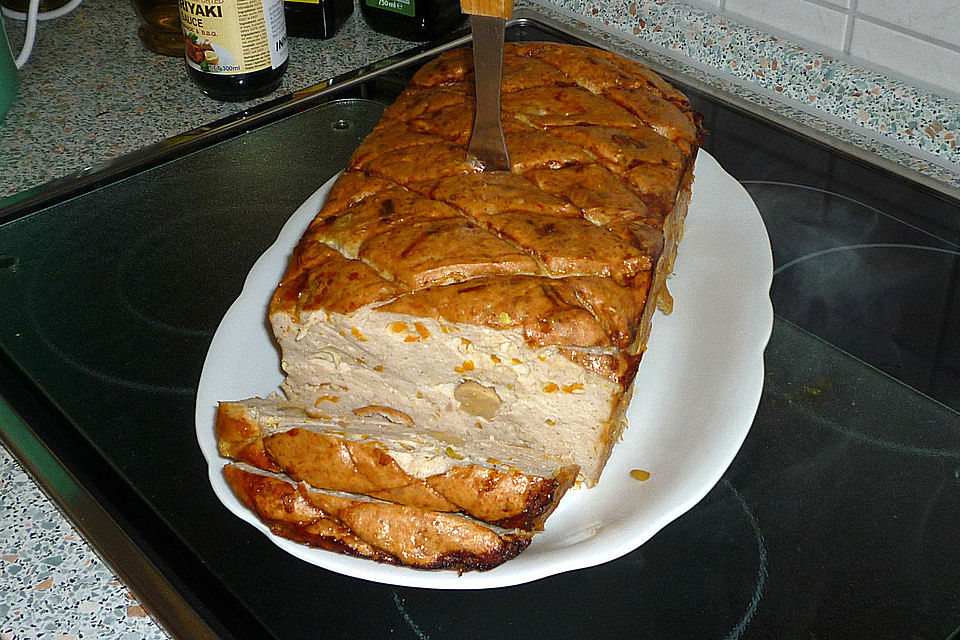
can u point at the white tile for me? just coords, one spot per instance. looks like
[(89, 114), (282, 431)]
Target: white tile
[(938, 19), (808, 21), (906, 55)]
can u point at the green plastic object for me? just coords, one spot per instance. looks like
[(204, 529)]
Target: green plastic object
[(8, 73)]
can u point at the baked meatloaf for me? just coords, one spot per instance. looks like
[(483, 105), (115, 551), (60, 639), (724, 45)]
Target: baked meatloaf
[(493, 318)]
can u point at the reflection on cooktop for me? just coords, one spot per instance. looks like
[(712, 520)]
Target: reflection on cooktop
[(125, 320), (150, 265), (705, 580), (868, 282), (855, 482)]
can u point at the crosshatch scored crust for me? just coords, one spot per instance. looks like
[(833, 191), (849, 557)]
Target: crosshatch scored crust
[(500, 309)]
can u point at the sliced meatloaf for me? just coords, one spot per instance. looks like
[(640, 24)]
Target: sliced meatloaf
[(366, 528), (396, 462)]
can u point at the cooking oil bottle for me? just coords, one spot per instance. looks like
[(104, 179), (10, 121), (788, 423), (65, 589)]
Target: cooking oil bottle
[(235, 50), (159, 26)]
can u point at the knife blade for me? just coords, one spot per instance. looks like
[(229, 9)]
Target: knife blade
[(488, 149)]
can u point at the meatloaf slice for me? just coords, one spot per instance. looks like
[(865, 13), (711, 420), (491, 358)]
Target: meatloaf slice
[(359, 526), (395, 462)]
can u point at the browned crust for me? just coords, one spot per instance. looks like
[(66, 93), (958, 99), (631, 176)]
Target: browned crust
[(620, 367), (599, 143), (673, 229), (239, 439), (287, 512), (380, 531), (339, 464), (507, 498)]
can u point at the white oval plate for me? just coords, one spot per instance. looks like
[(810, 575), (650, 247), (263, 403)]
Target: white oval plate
[(696, 394)]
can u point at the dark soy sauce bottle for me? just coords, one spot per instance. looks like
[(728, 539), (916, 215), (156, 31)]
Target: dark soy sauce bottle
[(241, 87), (415, 20), (234, 50)]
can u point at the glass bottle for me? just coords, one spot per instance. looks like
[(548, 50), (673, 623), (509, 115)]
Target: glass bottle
[(159, 26), (235, 50), (316, 18), (416, 20)]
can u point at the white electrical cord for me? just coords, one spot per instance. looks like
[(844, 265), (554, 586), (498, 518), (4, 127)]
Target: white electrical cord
[(31, 17)]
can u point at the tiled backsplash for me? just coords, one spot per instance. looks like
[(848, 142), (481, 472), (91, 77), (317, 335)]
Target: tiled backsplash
[(918, 40)]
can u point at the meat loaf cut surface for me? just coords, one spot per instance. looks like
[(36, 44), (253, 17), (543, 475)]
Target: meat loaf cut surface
[(506, 308)]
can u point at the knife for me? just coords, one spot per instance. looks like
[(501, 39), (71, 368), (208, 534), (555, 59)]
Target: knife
[(488, 149)]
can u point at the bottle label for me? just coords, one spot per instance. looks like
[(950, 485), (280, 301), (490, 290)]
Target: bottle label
[(228, 37), (405, 7)]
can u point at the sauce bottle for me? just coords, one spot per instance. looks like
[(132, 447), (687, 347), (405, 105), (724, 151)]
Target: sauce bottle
[(416, 20), (235, 50), (316, 18)]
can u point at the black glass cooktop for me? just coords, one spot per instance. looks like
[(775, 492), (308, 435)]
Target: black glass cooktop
[(839, 518)]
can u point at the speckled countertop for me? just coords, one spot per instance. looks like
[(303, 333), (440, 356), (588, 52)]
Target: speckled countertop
[(82, 103), (53, 585)]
